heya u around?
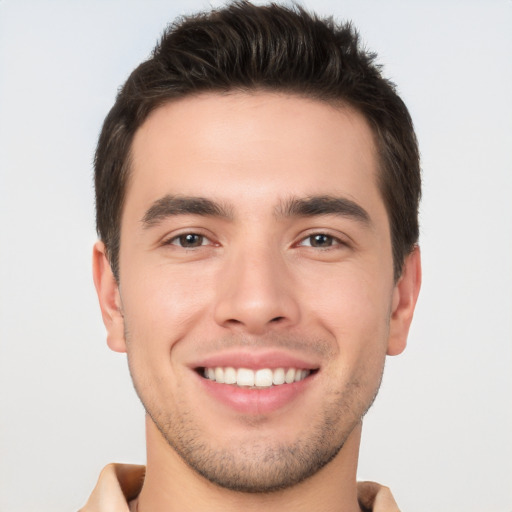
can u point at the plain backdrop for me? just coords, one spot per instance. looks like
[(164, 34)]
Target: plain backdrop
[(440, 432)]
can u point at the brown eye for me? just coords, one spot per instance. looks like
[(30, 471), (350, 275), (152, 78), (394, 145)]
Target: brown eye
[(189, 240), (320, 241)]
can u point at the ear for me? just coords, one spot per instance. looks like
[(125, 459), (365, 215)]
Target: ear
[(109, 298), (405, 295)]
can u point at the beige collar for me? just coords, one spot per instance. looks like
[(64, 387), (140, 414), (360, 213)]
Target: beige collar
[(118, 484)]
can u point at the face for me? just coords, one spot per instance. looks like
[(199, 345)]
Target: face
[(256, 299)]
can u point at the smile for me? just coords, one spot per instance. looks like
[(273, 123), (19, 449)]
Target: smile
[(256, 379)]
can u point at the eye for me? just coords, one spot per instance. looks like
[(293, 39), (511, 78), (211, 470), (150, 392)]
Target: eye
[(188, 240), (320, 240)]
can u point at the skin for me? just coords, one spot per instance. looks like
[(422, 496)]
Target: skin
[(259, 281)]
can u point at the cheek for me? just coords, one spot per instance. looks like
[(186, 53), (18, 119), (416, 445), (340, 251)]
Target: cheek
[(354, 308), (350, 298), (161, 308), (165, 303)]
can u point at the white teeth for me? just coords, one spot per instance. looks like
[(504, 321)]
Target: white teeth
[(229, 376), (278, 376), (262, 378), (290, 375), (245, 377), (219, 375)]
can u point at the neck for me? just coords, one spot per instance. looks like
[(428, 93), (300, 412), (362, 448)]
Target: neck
[(170, 485)]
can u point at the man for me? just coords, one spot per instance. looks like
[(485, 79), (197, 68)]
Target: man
[(257, 189)]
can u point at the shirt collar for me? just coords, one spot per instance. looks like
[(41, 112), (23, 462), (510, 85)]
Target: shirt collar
[(119, 484)]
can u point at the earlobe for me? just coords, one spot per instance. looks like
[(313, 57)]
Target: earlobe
[(109, 298), (405, 295)]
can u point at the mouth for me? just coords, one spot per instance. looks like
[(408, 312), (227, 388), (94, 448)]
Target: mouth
[(255, 383), (262, 378)]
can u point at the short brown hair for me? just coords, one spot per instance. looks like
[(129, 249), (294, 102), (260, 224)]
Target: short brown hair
[(245, 47)]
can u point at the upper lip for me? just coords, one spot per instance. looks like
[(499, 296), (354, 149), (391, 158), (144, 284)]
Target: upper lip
[(255, 360)]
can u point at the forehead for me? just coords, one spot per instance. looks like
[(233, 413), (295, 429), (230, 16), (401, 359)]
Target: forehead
[(246, 146)]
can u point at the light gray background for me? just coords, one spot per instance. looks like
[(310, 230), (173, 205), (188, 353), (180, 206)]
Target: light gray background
[(440, 432)]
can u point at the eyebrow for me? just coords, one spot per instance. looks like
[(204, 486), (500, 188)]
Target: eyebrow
[(311, 206), (170, 205), (323, 205)]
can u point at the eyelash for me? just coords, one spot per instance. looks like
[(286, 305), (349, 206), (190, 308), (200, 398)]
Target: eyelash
[(333, 241), (180, 240)]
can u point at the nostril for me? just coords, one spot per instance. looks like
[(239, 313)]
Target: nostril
[(277, 319)]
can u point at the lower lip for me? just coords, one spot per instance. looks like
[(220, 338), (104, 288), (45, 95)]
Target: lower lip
[(256, 401)]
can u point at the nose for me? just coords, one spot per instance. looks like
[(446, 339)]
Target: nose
[(256, 293)]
